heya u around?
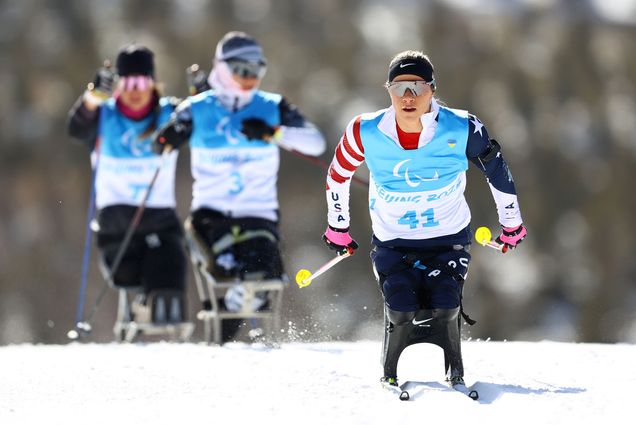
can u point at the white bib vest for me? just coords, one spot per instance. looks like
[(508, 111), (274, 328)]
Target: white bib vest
[(126, 164), (232, 174), (419, 193)]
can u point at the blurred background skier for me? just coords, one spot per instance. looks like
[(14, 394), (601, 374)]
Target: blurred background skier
[(235, 131), (116, 117), (417, 152)]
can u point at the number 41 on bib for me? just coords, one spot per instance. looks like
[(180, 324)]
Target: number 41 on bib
[(411, 219)]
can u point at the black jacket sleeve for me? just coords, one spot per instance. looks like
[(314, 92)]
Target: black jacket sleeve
[(82, 123), (492, 164)]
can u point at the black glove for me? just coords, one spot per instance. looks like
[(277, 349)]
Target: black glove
[(104, 79), (197, 80), (339, 240), (173, 134), (102, 86), (256, 128)]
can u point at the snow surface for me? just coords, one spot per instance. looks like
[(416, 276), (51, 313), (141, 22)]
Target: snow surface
[(311, 383)]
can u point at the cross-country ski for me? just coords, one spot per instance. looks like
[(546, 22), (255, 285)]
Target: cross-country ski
[(418, 389)]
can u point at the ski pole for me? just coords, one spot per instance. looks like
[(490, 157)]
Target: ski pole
[(484, 237), (317, 161), (304, 276), (84, 327), (88, 241)]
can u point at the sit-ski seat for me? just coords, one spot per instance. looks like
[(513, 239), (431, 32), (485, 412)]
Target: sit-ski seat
[(161, 313), (261, 297)]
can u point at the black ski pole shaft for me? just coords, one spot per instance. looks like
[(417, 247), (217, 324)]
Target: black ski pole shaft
[(132, 226), (134, 223)]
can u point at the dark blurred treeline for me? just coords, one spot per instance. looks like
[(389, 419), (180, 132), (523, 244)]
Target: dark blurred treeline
[(553, 81)]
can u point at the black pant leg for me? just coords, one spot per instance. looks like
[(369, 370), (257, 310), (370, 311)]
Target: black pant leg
[(164, 262)]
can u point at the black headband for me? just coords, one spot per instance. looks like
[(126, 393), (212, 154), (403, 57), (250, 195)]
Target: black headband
[(415, 66)]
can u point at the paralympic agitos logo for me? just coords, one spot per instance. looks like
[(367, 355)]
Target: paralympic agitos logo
[(412, 179)]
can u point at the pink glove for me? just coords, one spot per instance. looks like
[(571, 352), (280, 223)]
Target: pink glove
[(512, 236), (339, 239)]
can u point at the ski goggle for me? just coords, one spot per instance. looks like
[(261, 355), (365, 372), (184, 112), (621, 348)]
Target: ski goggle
[(417, 88), (134, 82), (245, 69)]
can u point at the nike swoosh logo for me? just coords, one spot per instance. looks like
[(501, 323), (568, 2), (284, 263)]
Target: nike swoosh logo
[(419, 322), (402, 65)]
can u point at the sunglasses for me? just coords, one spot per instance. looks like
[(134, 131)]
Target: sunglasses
[(135, 82), (246, 69), (417, 88)]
